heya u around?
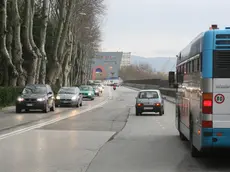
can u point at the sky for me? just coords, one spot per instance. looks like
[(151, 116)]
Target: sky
[(159, 28)]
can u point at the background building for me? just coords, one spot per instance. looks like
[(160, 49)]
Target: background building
[(126, 59), (106, 65)]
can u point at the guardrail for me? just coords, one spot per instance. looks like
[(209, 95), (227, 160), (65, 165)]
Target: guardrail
[(171, 92)]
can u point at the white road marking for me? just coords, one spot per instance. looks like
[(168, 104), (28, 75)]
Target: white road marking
[(73, 113)]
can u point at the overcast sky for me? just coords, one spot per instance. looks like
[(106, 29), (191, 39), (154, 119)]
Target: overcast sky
[(159, 28)]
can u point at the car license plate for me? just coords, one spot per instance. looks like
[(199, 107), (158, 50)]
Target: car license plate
[(65, 101), (148, 108), (29, 104)]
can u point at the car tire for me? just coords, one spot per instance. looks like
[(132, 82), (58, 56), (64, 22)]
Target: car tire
[(81, 103), (138, 113), (53, 107), (46, 108), (77, 104), (160, 113), (18, 109), (92, 98)]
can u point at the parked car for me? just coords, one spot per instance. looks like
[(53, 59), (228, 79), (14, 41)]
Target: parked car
[(36, 96), (149, 101), (87, 91), (70, 96), (96, 90)]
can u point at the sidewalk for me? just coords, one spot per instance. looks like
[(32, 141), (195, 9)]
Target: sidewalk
[(7, 109)]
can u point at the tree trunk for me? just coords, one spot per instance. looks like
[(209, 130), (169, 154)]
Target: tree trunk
[(3, 50), (34, 46), (55, 63), (17, 51), (45, 14), (67, 63), (64, 37), (30, 53)]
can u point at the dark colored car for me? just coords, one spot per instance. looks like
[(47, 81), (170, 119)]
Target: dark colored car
[(69, 96), (36, 96)]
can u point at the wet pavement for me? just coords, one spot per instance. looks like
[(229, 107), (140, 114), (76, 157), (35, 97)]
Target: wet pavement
[(105, 137)]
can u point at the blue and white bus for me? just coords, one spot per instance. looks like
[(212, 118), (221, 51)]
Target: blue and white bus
[(203, 91)]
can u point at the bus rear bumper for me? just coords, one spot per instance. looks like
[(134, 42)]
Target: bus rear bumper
[(221, 138), (216, 138)]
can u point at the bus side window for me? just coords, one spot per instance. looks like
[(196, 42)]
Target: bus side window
[(193, 66), (198, 64), (201, 62)]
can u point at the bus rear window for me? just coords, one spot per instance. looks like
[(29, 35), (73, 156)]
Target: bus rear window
[(221, 64)]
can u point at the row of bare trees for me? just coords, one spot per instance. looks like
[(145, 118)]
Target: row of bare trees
[(140, 71), (48, 41)]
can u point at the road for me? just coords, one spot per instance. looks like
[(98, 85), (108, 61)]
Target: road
[(102, 136)]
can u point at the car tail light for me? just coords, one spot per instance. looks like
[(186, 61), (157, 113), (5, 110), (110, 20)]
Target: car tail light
[(139, 104), (207, 103), (157, 104)]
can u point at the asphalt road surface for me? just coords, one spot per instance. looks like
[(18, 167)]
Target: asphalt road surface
[(102, 136)]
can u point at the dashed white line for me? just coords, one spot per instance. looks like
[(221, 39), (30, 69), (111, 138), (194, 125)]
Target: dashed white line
[(73, 113)]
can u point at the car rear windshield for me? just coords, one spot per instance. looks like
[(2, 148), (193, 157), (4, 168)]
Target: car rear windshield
[(34, 90), (85, 88), (148, 95)]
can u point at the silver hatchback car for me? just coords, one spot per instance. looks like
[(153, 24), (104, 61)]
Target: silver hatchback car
[(149, 101)]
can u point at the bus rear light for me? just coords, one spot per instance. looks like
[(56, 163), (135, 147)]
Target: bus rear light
[(207, 103), (206, 124)]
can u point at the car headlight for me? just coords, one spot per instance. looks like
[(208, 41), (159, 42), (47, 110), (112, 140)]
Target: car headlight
[(57, 97), (40, 99), (74, 98), (96, 91), (20, 99), (89, 94)]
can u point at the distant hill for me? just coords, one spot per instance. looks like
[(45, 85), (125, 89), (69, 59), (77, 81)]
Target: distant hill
[(160, 64)]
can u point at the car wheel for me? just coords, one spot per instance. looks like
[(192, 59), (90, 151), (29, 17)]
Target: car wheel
[(92, 98), (53, 107), (46, 109), (18, 109), (77, 104), (138, 113), (81, 103), (160, 113)]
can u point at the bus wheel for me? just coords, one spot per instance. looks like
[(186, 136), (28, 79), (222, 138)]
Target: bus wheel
[(193, 150), (182, 137)]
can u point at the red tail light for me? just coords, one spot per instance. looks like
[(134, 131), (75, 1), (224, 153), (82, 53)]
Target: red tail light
[(140, 104), (207, 124), (207, 103), (157, 104)]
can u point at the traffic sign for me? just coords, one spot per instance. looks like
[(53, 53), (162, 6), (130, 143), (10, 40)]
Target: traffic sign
[(219, 98)]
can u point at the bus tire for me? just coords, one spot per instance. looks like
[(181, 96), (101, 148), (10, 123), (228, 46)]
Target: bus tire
[(193, 150)]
